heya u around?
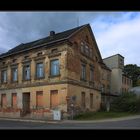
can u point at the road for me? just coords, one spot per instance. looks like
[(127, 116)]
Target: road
[(123, 124)]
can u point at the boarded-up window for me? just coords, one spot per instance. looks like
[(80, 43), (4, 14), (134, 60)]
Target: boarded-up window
[(83, 100), (39, 99), (54, 98), (14, 100), (91, 100), (3, 100)]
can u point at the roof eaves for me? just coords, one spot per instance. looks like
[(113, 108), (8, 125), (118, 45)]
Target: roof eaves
[(34, 47)]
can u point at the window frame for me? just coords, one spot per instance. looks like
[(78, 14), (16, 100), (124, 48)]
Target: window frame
[(2, 76), (83, 73), (58, 74), (43, 69), (12, 72), (23, 73), (91, 79)]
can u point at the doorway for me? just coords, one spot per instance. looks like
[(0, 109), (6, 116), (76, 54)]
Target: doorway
[(26, 103)]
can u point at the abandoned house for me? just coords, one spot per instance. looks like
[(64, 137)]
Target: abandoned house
[(59, 72)]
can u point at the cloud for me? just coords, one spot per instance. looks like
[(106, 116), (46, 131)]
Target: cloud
[(120, 36), (115, 32)]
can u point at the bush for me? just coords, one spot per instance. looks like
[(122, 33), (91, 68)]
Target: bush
[(127, 102)]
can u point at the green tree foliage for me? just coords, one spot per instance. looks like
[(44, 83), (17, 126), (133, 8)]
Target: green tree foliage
[(127, 102), (133, 71)]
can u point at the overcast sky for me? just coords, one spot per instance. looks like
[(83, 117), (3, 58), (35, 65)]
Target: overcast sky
[(115, 32)]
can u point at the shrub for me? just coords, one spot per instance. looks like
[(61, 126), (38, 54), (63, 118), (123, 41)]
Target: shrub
[(127, 102)]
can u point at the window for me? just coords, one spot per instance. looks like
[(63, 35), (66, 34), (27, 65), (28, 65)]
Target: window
[(54, 50), (82, 49), (39, 54), (3, 100), (87, 50), (14, 60), (4, 76), (14, 100), (87, 39), (26, 72), (108, 77), (14, 74), (54, 98), (39, 99), (83, 72), (55, 70), (39, 70), (3, 63), (91, 53), (26, 57), (91, 74), (91, 100), (83, 98)]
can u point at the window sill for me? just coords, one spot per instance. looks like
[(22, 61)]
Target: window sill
[(26, 80), (4, 83), (84, 80), (14, 82), (39, 78), (53, 76)]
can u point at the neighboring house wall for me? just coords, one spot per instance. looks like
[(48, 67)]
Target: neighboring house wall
[(126, 84), (116, 81), (116, 64)]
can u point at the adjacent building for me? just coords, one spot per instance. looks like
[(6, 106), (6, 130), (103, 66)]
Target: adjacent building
[(59, 72), (120, 83)]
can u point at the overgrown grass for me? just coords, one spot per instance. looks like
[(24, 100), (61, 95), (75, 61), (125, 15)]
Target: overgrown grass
[(102, 115)]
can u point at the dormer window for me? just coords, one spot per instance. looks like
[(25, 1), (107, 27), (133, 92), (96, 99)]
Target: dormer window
[(3, 63), (54, 50), (14, 60), (26, 57), (39, 54)]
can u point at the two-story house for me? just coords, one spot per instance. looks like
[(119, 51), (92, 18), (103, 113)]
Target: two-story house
[(61, 71)]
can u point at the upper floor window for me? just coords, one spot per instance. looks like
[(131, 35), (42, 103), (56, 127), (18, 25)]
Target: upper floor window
[(14, 60), (91, 53), (39, 70), (87, 50), (82, 47), (55, 70), (14, 74), (4, 76), (91, 74), (26, 72), (83, 72)]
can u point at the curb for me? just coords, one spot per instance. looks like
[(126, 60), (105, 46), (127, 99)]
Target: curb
[(29, 120), (105, 120), (72, 121)]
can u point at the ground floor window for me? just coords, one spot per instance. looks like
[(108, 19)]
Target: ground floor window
[(39, 99), (53, 98), (83, 100), (91, 100), (3, 101), (14, 100)]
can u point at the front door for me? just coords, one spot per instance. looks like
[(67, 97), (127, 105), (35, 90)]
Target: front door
[(26, 103)]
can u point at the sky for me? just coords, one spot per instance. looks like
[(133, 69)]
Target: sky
[(115, 32)]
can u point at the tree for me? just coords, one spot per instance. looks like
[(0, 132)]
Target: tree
[(133, 71)]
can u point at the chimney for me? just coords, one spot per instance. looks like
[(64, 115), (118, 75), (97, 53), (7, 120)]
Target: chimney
[(52, 33)]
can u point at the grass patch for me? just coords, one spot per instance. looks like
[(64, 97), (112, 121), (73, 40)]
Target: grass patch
[(102, 115)]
